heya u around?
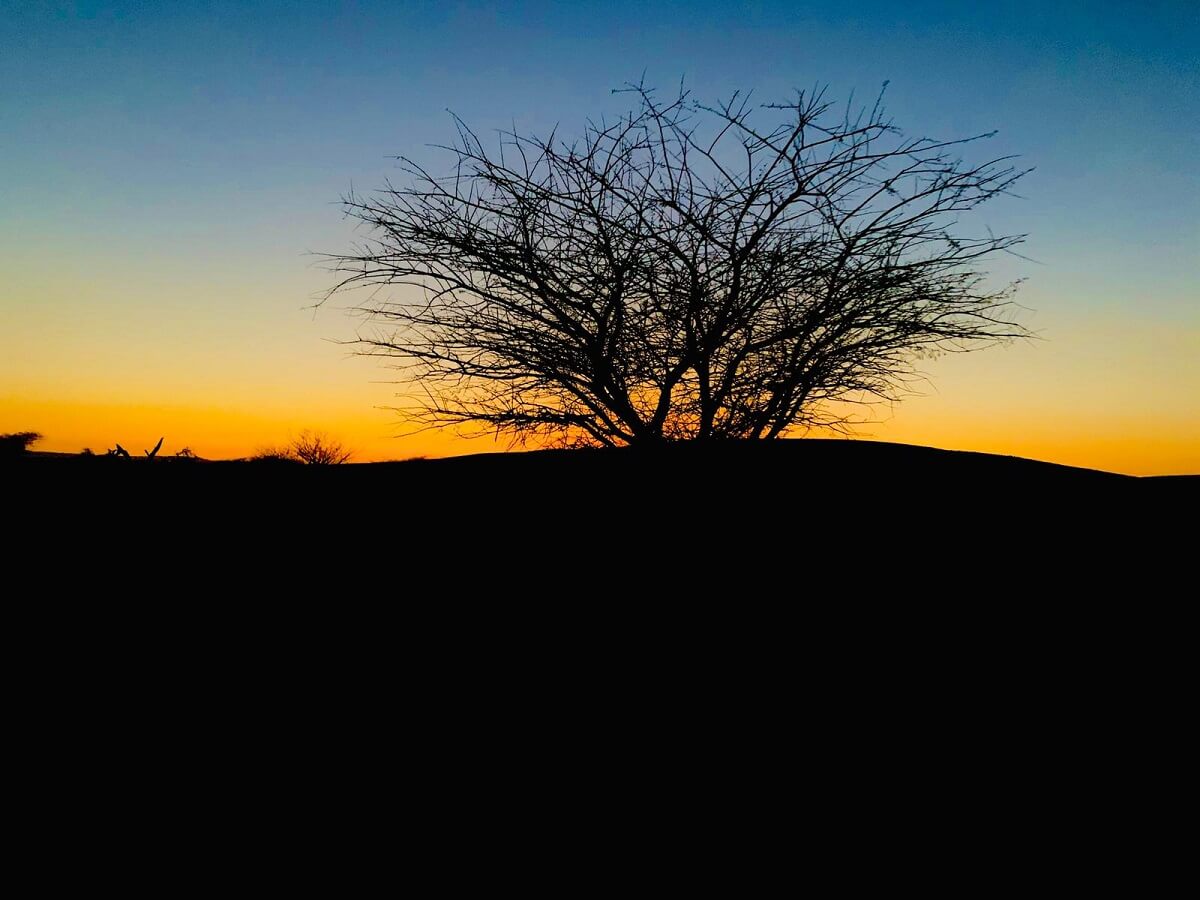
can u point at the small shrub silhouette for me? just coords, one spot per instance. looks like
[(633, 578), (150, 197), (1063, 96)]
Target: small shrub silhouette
[(16, 443), (274, 455), (313, 448), (319, 449)]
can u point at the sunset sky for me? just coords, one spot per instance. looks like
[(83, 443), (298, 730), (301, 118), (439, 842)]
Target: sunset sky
[(169, 171)]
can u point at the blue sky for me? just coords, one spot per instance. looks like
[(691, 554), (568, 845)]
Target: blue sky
[(187, 155)]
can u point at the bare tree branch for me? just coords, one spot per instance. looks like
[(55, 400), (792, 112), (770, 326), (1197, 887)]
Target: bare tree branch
[(683, 272)]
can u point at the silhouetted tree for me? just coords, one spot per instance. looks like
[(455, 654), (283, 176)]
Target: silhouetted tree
[(16, 443), (681, 272)]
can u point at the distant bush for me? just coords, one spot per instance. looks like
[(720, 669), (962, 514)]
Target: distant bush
[(86, 451), (186, 453), (318, 449), (18, 442), (274, 455), (311, 447)]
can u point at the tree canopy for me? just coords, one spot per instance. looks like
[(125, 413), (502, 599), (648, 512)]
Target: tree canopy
[(683, 271)]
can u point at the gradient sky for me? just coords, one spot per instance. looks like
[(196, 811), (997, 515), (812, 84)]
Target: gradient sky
[(167, 167)]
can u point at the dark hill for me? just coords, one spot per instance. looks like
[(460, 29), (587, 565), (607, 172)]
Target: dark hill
[(722, 520), (729, 476), (852, 457)]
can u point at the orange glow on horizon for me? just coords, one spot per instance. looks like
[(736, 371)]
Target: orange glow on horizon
[(1122, 395), (1130, 447)]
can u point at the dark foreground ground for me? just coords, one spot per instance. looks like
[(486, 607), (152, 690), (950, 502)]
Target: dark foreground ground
[(920, 629), (793, 465), (857, 491), (802, 564)]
